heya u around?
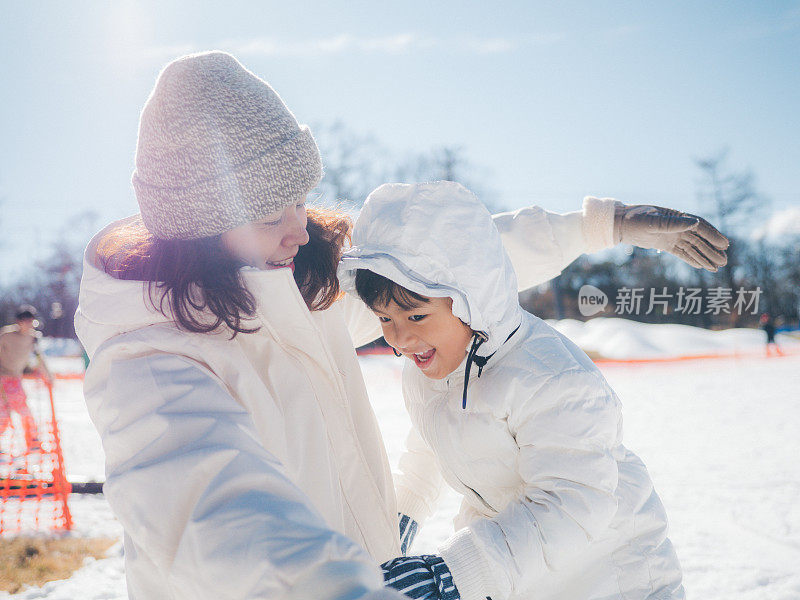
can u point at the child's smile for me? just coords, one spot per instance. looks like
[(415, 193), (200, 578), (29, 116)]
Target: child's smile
[(428, 333), (423, 359)]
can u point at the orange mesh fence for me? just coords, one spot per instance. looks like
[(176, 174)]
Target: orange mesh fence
[(71, 376), (767, 352), (33, 484)]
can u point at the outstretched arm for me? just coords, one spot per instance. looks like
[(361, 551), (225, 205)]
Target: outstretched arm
[(541, 243)]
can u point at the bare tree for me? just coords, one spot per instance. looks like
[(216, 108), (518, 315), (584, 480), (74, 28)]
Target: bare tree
[(51, 285), (731, 200), (774, 266), (731, 197), (354, 164), (448, 163)]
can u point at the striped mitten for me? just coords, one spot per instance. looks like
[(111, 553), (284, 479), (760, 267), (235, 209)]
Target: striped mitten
[(423, 577), (408, 531)]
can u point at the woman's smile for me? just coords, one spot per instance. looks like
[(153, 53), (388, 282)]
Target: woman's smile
[(282, 264)]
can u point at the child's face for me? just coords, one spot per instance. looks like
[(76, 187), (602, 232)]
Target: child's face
[(429, 334), (271, 242)]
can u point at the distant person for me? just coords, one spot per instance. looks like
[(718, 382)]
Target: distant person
[(18, 344), (768, 325)]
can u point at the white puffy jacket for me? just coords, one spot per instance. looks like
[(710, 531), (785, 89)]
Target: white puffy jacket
[(554, 505), (243, 468)]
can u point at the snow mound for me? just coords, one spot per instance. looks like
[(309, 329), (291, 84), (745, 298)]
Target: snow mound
[(623, 339), (60, 346)]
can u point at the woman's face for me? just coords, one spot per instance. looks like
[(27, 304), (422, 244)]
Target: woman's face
[(271, 242)]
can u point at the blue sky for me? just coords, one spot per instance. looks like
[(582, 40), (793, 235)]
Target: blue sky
[(553, 100)]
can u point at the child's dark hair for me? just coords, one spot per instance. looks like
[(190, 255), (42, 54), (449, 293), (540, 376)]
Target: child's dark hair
[(377, 291)]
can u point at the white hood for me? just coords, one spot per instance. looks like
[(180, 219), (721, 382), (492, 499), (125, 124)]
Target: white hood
[(438, 240)]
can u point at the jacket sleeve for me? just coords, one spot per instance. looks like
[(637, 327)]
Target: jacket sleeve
[(542, 243), (198, 493), (419, 481), (565, 438), (363, 325)]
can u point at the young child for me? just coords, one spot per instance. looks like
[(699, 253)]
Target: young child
[(508, 411)]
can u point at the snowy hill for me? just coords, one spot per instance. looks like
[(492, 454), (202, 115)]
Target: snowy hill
[(624, 339)]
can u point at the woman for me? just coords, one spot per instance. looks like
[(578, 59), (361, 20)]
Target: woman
[(242, 456)]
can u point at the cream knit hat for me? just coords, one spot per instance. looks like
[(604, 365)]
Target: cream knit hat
[(217, 149)]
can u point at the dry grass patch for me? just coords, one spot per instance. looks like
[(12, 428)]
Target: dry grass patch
[(35, 561), (594, 355)]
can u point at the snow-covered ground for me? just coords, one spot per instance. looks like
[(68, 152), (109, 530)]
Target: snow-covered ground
[(624, 339), (720, 438)]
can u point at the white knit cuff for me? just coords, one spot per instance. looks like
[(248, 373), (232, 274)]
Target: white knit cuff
[(412, 505), (598, 223), (468, 568)]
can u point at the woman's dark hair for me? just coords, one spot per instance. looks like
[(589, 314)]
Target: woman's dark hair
[(200, 281), (316, 262), (377, 291)]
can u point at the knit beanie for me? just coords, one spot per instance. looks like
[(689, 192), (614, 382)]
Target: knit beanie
[(217, 149)]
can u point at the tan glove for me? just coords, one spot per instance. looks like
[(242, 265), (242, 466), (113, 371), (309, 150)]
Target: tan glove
[(691, 238)]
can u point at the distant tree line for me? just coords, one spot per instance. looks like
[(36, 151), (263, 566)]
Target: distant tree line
[(762, 275), (355, 164), (767, 280), (51, 285)]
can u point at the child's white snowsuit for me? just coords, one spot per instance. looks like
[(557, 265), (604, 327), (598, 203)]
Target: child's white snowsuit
[(554, 505)]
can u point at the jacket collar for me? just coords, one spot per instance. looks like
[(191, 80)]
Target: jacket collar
[(109, 306), (456, 379)]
